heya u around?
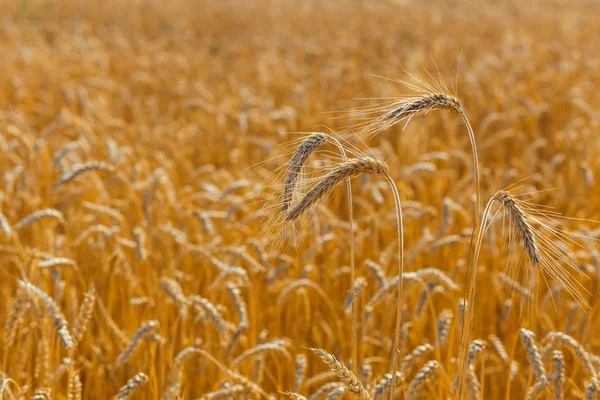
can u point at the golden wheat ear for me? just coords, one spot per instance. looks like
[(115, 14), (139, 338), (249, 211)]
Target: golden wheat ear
[(297, 162), (341, 173)]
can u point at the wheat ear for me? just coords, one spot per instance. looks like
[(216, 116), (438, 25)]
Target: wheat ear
[(58, 319), (350, 380), (132, 386)]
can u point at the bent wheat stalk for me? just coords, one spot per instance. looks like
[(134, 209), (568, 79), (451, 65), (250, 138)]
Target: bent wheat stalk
[(297, 162), (542, 254), (345, 171)]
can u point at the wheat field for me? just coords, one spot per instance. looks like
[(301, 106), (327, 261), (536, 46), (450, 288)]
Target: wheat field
[(201, 199)]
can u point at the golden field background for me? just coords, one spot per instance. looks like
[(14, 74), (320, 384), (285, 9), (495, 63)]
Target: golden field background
[(193, 105)]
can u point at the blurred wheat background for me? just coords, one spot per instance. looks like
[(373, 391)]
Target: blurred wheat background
[(141, 150)]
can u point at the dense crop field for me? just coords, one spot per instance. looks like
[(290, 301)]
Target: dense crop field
[(202, 199)]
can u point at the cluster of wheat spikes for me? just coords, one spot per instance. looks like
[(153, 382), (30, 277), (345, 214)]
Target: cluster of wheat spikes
[(181, 217)]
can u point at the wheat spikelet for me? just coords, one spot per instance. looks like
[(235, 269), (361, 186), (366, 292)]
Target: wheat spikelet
[(383, 386), (418, 353), (105, 210), (473, 384), (476, 347), (46, 213), (277, 346), (499, 349), (519, 218), (348, 378), (5, 226), (294, 396), (533, 354), (296, 163), (342, 172), (324, 389), (79, 169), (337, 392), (42, 394), (558, 361), (74, 390), (591, 389), (359, 284), (176, 368), (515, 286), (143, 333), (206, 306), (58, 319), (562, 339), (84, 316), (172, 392), (132, 386), (377, 272), (444, 322), (301, 365), (56, 262), (225, 393), (427, 373), (15, 317), (140, 243), (173, 289)]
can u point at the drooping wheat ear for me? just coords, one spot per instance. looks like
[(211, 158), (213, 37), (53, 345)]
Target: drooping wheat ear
[(519, 218), (58, 319), (176, 368), (352, 383), (403, 110), (172, 392), (15, 317), (336, 393), (325, 388), (132, 386), (143, 333), (46, 213), (297, 162), (410, 360), (105, 210), (476, 347), (515, 286), (204, 305), (42, 394), (347, 170), (427, 373), (140, 243), (444, 322), (235, 294), (277, 346), (56, 262), (359, 285), (173, 289), (301, 365), (566, 341), (513, 370), (295, 396), (499, 349), (75, 387), (473, 384), (383, 386), (558, 360), (225, 393), (79, 169), (84, 316), (366, 372), (591, 389), (377, 272), (5, 226), (533, 354)]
